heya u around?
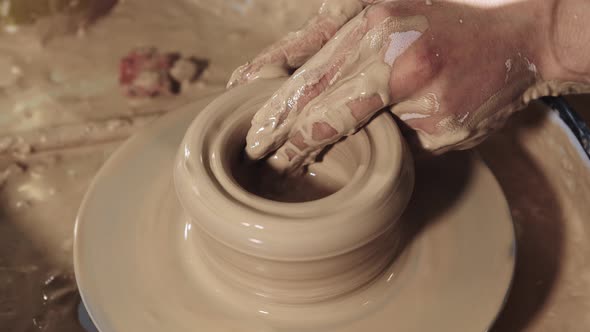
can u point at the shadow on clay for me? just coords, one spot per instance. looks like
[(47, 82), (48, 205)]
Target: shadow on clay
[(440, 182), (536, 213)]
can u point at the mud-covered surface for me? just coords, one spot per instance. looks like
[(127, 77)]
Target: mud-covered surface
[(38, 201), (64, 112)]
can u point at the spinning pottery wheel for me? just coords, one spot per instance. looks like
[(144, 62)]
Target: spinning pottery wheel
[(157, 252)]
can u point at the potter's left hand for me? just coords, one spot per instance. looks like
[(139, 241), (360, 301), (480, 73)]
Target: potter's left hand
[(453, 71)]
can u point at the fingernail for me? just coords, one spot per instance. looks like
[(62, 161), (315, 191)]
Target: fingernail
[(254, 150), (257, 143)]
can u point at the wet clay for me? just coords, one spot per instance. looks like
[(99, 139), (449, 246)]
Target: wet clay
[(361, 74), (372, 168), (257, 265), (260, 179)]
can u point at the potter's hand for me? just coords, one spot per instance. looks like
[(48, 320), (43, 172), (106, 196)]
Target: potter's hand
[(453, 72)]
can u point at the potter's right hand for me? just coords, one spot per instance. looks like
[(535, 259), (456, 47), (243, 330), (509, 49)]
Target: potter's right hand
[(452, 71)]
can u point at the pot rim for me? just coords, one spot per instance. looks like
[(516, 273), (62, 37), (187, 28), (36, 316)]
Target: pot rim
[(289, 231)]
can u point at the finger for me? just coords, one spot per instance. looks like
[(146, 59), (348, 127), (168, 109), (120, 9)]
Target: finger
[(359, 44), (352, 102), (339, 113), (272, 123), (296, 48)]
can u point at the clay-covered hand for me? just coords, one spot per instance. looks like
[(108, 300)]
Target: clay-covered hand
[(452, 71)]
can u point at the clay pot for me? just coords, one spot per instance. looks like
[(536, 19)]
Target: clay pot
[(299, 252)]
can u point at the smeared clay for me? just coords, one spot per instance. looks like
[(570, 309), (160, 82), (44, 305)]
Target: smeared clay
[(409, 116), (418, 108), (466, 131), (363, 71), (398, 43), (282, 108), (289, 53)]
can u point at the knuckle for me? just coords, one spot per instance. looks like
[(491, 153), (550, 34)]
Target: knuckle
[(376, 14), (416, 68)]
